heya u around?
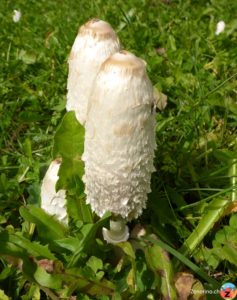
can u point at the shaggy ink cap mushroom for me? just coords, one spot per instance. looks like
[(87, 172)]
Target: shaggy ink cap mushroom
[(52, 202), (95, 42), (120, 138)]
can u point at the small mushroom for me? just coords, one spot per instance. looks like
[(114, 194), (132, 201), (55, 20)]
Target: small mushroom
[(54, 203), (95, 42), (120, 139)]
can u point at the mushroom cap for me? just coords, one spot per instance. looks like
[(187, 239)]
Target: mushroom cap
[(54, 203), (120, 138), (95, 42)]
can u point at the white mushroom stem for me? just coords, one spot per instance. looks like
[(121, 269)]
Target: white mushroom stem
[(95, 42), (120, 138), (117, 233), (54, 203)]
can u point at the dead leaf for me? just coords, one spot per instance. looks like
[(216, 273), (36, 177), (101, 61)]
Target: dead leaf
[(188, 287), (231, 208), (160, 99), (46, 264)]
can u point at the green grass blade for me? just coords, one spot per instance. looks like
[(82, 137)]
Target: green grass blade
[(214, 212)]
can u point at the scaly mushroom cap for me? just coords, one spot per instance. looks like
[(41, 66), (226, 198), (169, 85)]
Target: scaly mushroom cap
[(54, 203), (120, 138), (95, 42)]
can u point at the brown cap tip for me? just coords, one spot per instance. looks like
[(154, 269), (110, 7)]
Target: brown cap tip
[(98, 29), (125, 61)]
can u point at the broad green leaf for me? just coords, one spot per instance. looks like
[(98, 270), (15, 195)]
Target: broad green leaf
[(46, 279), (95, 263), (49, 228), (158, 260), (70, 174), (69, 144), (10, 248), (69, 138), (31, 248)]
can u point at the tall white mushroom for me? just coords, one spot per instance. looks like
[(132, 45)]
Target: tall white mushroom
[(119, 142), (95, 42), (54, 203)]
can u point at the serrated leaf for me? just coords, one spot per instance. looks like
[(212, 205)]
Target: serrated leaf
[(49, 228), (10, 248), (31, 248)]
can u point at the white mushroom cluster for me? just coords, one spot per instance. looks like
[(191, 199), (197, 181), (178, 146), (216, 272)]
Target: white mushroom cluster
[(112, 96)]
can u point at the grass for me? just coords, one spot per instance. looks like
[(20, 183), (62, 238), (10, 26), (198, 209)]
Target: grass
[(192, 207)]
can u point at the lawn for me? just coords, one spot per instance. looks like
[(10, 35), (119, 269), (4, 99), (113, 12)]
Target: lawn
[(190, 219)]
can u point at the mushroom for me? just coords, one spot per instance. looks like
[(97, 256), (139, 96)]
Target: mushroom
[(119, 142), (52, 202), (95, 42)]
